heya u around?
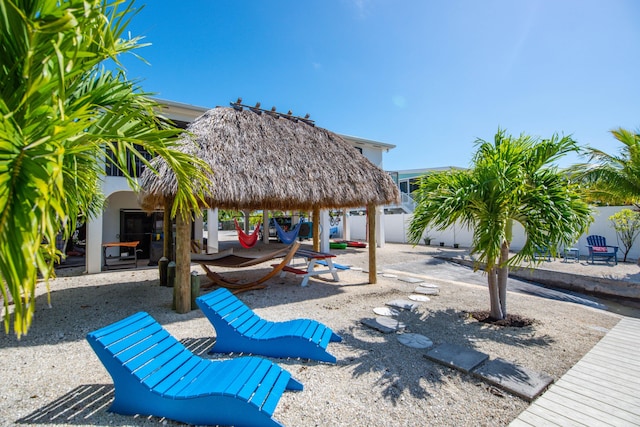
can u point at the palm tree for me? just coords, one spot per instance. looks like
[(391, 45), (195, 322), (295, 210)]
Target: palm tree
[(511, 180), (613, 179), (60, 115)]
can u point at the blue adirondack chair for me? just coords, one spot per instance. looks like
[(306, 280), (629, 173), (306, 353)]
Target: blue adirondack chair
[(239, 329), (154, 374), (598, 248)]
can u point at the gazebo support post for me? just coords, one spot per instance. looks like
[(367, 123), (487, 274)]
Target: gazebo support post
[(265, 226), (316, 229), (247, 220), (371, 221), (182, 291), (167, 231)]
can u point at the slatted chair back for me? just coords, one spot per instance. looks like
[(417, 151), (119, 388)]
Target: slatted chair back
[(595, 240)]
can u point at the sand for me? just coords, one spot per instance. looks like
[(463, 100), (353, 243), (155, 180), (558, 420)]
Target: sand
[(51, 376)]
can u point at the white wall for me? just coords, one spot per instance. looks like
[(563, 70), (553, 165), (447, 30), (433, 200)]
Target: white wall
[(396, 230)]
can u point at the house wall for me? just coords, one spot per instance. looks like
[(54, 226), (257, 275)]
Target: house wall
[(374, 156), (396, 231)]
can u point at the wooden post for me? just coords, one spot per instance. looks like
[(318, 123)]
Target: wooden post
[(195, 289), (183, 264), (371, 222), (265, 226), (167, 231), (163, 263), (316, 229)]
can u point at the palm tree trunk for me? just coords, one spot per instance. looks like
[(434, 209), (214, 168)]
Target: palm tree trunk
[(494, 294), (503, 275)]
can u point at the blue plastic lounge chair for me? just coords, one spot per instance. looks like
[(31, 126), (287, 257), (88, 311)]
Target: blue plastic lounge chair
[(598, 248), (239, 329), (154, 374)]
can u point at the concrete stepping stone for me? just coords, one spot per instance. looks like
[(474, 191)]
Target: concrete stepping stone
[(426, 290), (389, 275), (386, 325), (403, 304), (411, 280), (522, 382), (385, 311), (456, 356), (419, 298), (415, 340), (356, 268)]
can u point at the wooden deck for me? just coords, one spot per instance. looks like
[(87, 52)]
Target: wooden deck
[(602, 389)]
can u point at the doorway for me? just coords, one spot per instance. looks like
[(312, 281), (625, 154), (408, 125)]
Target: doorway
[(137, 226)]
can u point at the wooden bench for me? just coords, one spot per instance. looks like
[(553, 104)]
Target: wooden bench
[(290, 269), (240, 330), (154, 374)]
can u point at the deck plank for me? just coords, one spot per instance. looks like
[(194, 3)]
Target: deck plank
[(600, 390)]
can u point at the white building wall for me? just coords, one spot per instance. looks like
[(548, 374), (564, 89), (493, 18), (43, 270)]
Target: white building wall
[(397, 226)]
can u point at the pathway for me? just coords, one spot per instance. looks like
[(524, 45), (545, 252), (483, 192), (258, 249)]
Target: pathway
[(602, 389)]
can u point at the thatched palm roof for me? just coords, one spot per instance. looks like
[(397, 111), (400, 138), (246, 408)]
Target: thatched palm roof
[(264, 161)]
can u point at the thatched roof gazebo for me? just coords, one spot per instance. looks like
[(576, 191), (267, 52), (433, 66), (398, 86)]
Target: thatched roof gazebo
[(266, 160)]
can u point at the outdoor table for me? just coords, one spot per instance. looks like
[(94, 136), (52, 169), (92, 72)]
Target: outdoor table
[(129, 258)]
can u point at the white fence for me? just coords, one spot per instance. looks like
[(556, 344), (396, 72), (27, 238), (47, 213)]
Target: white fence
[(396, 226)]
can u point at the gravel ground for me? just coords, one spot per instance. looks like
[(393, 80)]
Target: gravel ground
[(51, 376)]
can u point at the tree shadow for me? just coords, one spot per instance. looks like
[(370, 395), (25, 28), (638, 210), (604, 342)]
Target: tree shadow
[(403, 369), (76, 311)]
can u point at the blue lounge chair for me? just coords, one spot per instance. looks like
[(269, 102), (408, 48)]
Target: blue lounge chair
[(239, 329), (598, 248), (154, 374)]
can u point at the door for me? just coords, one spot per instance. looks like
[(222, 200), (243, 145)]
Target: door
[(137, 225)]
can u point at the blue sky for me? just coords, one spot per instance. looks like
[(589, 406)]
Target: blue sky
[(428, 76)]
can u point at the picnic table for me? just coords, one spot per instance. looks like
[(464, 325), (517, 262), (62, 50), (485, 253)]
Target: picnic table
[(312, 260)]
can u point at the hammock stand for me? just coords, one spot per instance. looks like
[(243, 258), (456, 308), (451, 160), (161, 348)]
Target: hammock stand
[(247, 240), (287, 237), (227, 259)]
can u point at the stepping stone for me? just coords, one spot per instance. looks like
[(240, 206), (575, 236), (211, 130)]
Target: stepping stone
[(515, 379), (456, 356), (356, 268), (419, 298), (385, 311), (389, 275), (403, 304), (386, 325), (411, 280), (428, 285), (415, 340), (426, 291)]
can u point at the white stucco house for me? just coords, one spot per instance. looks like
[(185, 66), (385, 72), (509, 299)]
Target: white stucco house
[(123, 219)]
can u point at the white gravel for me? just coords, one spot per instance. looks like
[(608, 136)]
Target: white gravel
[(51, 376)]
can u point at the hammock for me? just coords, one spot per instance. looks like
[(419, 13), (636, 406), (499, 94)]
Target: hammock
[(228, 260), (247, 240), (287, 237)]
